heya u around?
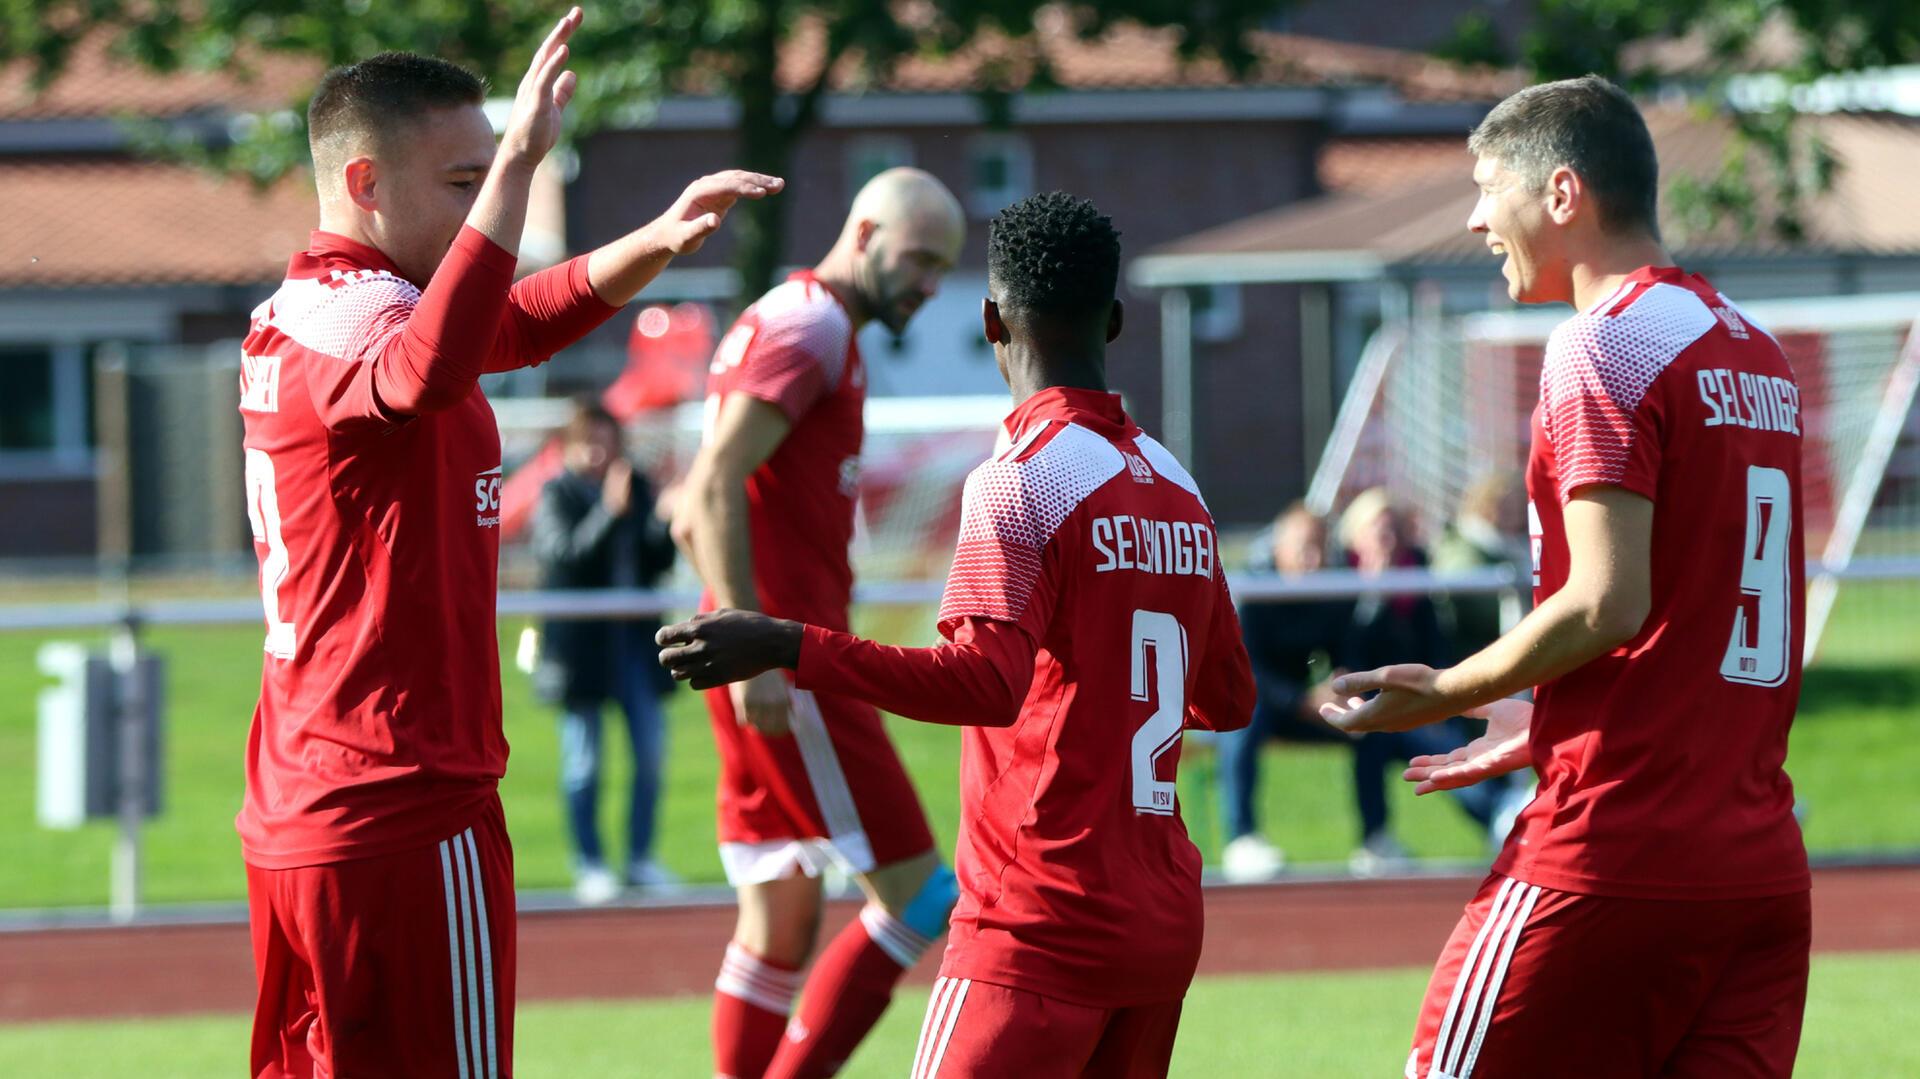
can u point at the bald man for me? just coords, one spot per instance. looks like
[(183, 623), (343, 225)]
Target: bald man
[(809, 779)]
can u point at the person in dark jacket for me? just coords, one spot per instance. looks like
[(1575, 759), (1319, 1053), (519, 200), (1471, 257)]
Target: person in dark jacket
[(597, 527), (1394, 629), (1290, 645)]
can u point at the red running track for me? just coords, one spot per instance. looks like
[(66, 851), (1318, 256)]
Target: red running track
[(668, 951)]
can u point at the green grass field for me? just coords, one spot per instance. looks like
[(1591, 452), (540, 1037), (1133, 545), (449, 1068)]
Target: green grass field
[(1301, 1026), (1854, 754)]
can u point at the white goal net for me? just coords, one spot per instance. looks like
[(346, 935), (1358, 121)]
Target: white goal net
[(1439, 404)]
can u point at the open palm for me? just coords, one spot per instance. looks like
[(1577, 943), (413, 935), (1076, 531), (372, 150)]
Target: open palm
[(1502, 749)]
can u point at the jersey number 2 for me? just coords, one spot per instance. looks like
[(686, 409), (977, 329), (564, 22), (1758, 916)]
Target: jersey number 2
[(1758, 647), (263, 512), (1159, 678)]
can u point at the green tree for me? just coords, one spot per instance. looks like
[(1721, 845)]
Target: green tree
[(1567, 38), (629, 55)]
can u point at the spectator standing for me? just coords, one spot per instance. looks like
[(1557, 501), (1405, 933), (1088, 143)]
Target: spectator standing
[(1284, 641), (597, 527)]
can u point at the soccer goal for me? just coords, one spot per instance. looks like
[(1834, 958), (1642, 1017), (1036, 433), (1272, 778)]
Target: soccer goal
[(1439, 404)]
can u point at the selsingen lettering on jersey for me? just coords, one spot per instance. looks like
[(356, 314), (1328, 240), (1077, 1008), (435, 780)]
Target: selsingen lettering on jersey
[(486, 498), (1180, 548), (1759, 402)]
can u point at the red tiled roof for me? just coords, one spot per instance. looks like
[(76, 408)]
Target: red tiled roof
[(1411, 207), (95, 83), (145, 223)]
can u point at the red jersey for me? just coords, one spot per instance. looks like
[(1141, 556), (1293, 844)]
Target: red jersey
[(1088, 602), (373, 483), (795, 349), (1661, 762)]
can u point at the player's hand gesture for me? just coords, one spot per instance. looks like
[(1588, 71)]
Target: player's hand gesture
[(1405, 696), (726, 646), (698, 212), (534, 125), (1501, 750)]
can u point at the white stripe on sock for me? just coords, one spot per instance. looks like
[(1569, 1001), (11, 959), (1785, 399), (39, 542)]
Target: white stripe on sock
[(902, 945)]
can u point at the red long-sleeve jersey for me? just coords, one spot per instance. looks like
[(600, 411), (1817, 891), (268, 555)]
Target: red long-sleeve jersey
[(373, 486), (1088, 625)]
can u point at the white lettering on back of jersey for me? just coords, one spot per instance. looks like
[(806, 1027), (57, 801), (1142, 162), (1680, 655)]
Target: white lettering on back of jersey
[(1174, 548), (260, 383), (1740, 399)]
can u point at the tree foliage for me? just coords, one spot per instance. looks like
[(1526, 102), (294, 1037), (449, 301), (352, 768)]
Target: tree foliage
[(1769, 150), (629, 55)]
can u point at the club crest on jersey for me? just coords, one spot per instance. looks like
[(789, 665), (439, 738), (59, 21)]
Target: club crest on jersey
[(260, 383), (1731, 320), (486, 498), (1138, 467)]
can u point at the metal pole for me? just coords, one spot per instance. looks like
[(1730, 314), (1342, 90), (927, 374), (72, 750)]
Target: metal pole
[(125, 654), (1176, 375)]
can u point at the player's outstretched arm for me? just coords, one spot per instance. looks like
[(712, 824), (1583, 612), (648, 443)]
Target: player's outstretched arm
[(1502, 749), (979, 678), (619, 270), (1604, 603)]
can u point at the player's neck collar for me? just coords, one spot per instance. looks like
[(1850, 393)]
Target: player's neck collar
[(322, 244), (1088, 407)]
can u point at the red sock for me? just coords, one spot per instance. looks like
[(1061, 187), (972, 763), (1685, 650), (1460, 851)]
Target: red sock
[(751, 1000), (847, 990)]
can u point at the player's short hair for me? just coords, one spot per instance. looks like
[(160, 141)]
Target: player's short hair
[(1588, 125), (368, 104), (587, 417), (1054, 254)]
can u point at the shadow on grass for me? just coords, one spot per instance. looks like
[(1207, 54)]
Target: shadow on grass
[(1830, 686)]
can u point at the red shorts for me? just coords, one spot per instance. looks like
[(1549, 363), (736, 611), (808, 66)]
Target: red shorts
[(1537, 982), (834, 788), (982, 1030), (400, 965)]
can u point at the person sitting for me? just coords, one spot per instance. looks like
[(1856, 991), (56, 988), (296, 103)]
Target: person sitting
[(1286, 641), (1391, 629)]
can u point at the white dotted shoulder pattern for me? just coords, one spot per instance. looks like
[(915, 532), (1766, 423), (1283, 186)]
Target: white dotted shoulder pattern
[(1597, 371), (803, 318), (1012, 507), (346, 314)]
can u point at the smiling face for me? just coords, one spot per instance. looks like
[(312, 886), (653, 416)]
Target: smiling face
[(1517, 224)]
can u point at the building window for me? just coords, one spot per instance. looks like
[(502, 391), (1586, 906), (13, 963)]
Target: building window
[(1216, 312), (27, 406), (1000, 171), (870, 155)]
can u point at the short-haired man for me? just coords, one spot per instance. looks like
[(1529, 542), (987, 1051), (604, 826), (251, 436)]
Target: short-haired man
[(1649, 914), (765, 515), (1088, 624), (379, 877)]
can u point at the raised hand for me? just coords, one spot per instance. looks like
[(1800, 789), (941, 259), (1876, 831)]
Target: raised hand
[(1502, 749), (701, 208), (534, 125)]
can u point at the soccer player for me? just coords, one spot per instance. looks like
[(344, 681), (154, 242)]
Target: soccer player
[(379, 877), (808, 778), (1087, 624), (1649, 914)]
